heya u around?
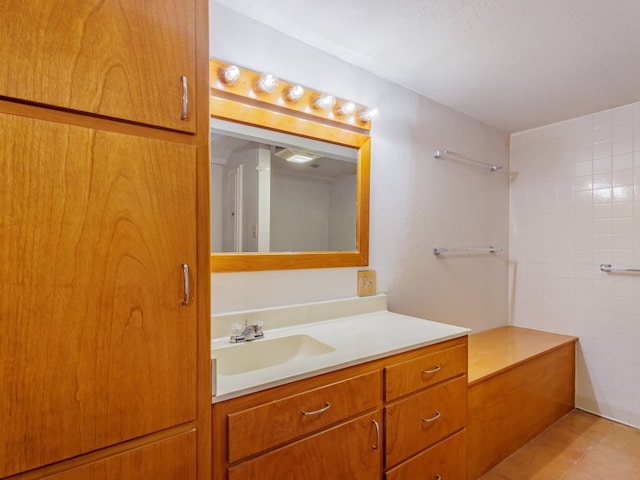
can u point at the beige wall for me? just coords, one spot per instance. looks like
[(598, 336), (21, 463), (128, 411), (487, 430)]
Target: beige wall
[(417, 201)]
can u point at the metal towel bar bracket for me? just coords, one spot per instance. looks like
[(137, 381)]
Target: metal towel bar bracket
[(448, 153), (490, 249), (605, 267)]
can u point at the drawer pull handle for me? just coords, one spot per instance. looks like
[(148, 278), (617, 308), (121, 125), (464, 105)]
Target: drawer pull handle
[(185, 98), (316, 412), (375, 446), (185, 284), (438, 477), (437, 368), (432, 419)]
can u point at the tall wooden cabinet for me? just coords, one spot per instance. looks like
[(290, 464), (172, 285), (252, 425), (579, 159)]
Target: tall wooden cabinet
[(104, 254), (400, 417)]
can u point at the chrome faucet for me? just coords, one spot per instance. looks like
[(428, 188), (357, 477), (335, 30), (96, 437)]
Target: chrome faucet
[(249, 332)]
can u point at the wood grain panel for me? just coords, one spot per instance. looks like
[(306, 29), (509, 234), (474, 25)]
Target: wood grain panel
[(113, 58), (499, 349), (445, 460), (346, 451), (413, 375), (169, 459), (283, 420), (407, 433), (96, 347), (270, 119), (509, 409)]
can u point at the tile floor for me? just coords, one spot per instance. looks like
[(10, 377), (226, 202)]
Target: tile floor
[(579, 446)]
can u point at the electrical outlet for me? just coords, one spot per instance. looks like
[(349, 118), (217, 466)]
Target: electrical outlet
[(366, 283)]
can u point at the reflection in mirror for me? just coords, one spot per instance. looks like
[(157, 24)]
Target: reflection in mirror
[(276, 192)]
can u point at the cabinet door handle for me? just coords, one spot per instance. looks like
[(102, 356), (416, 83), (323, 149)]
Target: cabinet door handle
[(377, 425), (432, 419), (185, 284), (316, 412), (438, 477), (437, 368), (185, 98)]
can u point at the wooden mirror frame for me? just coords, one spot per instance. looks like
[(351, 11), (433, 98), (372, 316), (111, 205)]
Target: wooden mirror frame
[(243, 110)]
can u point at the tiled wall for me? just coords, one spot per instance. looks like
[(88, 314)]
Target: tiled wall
[(575, 204)]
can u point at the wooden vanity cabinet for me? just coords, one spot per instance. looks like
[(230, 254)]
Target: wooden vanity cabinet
[(361, 421), (119, 59), (105, 332)]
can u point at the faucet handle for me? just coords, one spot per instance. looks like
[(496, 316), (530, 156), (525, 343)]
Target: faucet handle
[(257, 330), (237, 334)]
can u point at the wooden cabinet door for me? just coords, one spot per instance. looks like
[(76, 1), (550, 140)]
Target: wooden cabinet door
[(96, 344), (170, 459), (351, 450), (117, 58)]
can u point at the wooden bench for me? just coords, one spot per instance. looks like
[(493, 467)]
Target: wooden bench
[(520, 382)]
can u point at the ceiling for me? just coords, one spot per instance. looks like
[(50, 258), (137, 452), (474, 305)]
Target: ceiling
[(513, 64)]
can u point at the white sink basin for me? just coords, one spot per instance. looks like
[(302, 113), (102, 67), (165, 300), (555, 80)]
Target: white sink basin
[(263, 353)]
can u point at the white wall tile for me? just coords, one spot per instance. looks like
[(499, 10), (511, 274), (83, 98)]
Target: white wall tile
[(602, 134), (623, 161), (560, 274)]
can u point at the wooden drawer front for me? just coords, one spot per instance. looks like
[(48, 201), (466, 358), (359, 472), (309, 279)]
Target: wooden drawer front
[(412, 375), (269, 425), (445, 460), (349, 451), (407, 427), (167, 459)]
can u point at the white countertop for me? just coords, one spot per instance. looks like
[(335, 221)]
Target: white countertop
[(356, 339)]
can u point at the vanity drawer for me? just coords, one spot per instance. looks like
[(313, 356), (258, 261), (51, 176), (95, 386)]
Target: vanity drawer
[(421, 420), (413, 375), (271, 424), (350, 450), (445, 460)]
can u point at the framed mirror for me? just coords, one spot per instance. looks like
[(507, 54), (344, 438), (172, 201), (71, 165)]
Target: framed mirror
[(289, 191)]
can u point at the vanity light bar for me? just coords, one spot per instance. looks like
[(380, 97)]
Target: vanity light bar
[(265, 87)]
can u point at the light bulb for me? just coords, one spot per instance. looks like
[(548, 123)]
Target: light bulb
[(346, 108), (294, 93), (324, 101), (230, 74), (267, 83), (367, 114)]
